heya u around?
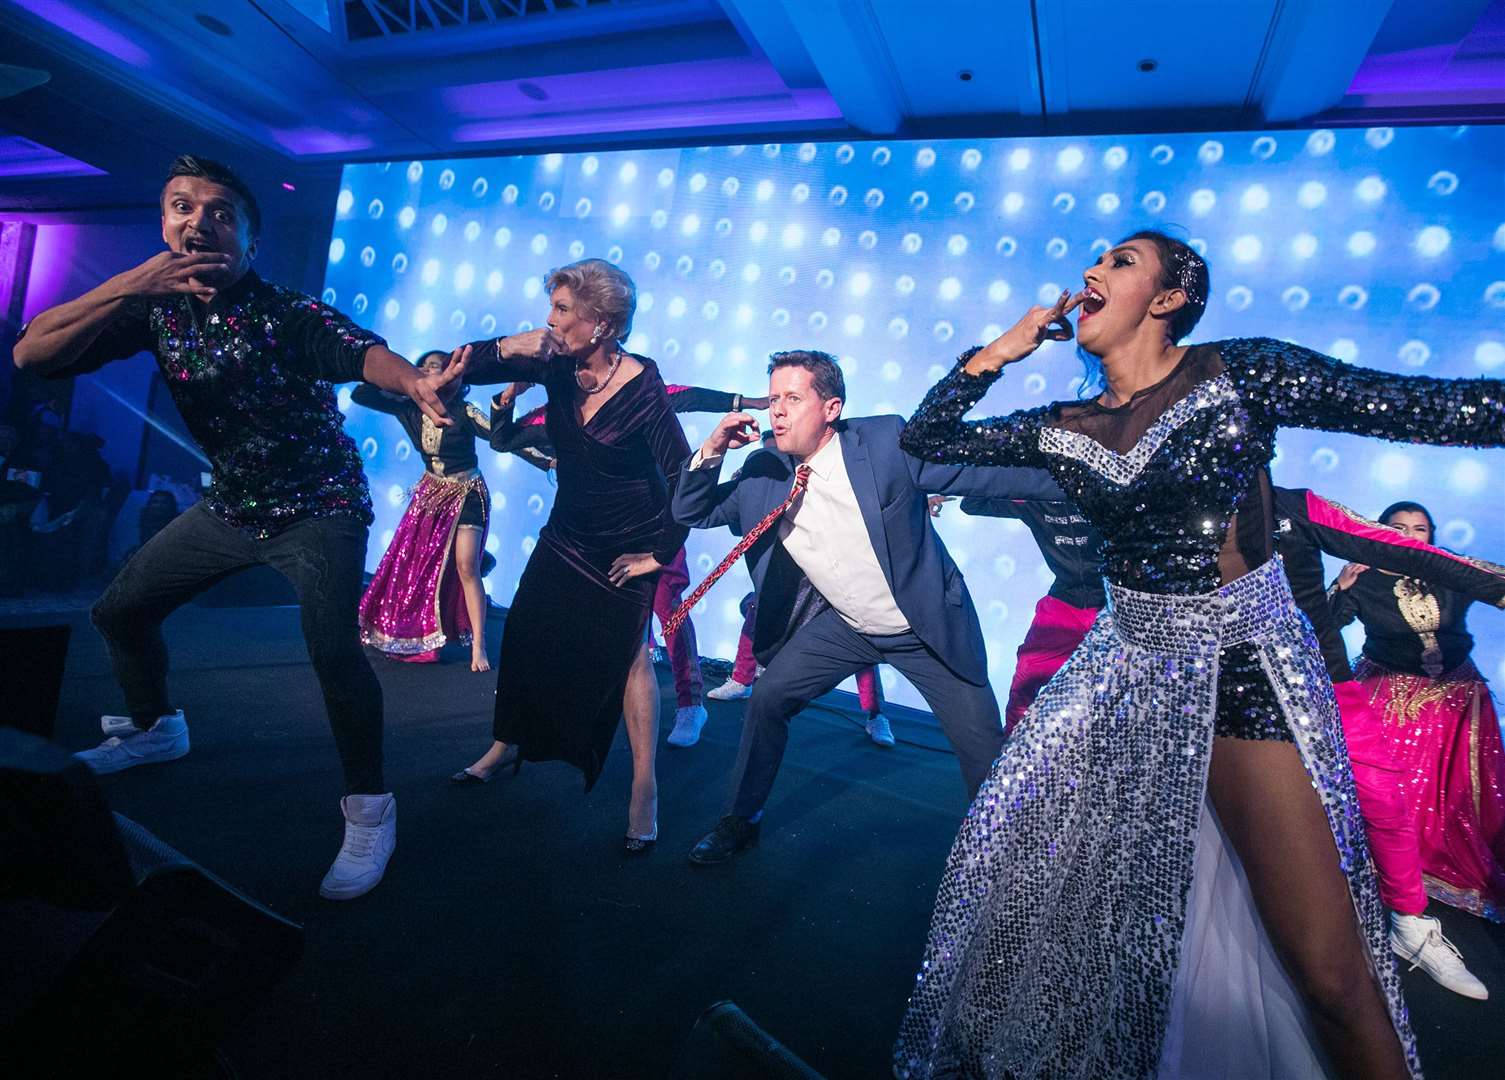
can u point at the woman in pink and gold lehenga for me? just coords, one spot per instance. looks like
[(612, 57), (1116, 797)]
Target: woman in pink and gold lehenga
[(1436, 708), (427, 589)]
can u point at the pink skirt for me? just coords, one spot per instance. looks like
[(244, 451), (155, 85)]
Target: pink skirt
[(414, 603), (1446, 737)]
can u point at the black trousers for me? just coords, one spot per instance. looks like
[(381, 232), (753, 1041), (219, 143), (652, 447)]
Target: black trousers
[(323, 559), (815, 660)]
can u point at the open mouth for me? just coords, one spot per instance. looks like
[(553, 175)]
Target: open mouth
[(194, 245), (1092, 302)]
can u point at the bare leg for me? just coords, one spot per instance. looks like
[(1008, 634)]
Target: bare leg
[(468, 566), (1266, 804), (640, 711)]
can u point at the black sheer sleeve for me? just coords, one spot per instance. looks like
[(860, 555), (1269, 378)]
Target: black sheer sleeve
[(937, 432)]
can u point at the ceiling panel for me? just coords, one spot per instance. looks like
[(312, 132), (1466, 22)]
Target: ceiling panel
[(1206, 53), (275, 83), (933, 45)]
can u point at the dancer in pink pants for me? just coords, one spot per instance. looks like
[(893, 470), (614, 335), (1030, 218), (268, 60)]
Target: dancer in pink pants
[(745, 672), (1422, 693), (1309, 527), (1072, 552)]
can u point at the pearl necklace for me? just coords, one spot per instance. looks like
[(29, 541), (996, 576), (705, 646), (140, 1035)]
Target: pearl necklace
[(616, 362)]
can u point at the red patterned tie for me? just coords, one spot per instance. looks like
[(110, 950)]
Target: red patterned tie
[(681, 613)]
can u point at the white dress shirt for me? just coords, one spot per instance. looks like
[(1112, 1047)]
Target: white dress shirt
[(825, 535)]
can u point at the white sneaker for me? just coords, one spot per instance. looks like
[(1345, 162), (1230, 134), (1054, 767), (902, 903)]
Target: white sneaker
[(117, 725), (166, 740), (731, 690), (1418, 939), (879, 731), (370, 838), (688, 720)]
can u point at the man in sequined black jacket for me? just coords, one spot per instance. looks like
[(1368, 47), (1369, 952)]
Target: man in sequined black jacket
[(250, 367)]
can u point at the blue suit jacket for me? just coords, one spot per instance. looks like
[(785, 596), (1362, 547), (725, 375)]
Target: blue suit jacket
[(891, 488)]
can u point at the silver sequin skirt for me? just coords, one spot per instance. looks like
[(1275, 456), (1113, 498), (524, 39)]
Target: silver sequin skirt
[(1058, 926)]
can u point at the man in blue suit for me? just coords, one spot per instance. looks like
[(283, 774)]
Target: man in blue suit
[(853, 574)]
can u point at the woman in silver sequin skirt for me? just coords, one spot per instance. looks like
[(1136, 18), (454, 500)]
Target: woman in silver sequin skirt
[(1166, 873)]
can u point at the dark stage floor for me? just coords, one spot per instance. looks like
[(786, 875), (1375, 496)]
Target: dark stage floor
[(512, 939)]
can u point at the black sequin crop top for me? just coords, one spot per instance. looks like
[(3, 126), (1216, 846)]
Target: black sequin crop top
[(1177, 478)]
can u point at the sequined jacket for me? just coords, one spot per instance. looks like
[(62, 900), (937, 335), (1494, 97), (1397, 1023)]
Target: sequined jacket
[(1183, 497), (251, 378)]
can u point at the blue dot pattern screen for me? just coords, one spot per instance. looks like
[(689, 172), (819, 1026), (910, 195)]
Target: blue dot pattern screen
[(1382, 247)]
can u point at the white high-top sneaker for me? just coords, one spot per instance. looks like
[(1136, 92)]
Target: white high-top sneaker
[(688, 720), (731, 690), (166, 740), (370, 838), (1418, 940), (879, 731)]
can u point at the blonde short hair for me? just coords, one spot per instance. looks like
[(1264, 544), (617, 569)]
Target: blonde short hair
[(602, 289)]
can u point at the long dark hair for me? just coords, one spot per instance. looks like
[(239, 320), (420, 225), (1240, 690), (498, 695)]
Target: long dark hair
[(1180, 268), (1405, 506), (443, 355)]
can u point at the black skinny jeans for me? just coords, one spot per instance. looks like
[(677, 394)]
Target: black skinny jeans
[(321, 557)]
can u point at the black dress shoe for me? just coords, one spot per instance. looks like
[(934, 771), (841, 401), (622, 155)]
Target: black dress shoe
[(731, 835)]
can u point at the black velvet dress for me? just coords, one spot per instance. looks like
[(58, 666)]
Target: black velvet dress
[(571, 635)]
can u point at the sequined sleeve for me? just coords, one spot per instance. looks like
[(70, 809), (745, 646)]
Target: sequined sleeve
[(315, 334), (937, 432), (1297, 387)]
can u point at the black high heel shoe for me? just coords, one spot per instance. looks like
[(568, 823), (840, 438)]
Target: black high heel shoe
[(640, 845), (467, 778)]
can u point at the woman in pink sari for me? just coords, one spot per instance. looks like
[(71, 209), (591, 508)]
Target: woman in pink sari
[(1418, 676), (427, 588)]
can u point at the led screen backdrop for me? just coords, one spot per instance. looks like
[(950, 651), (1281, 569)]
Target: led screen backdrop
[(1383, 247)]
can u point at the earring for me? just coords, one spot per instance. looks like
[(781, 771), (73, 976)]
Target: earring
[(595, 337)]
